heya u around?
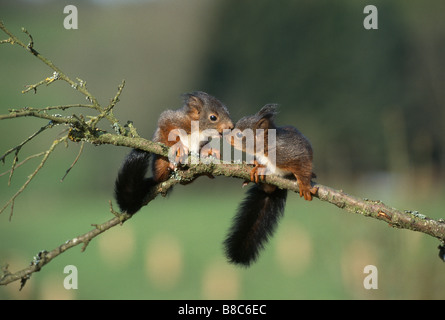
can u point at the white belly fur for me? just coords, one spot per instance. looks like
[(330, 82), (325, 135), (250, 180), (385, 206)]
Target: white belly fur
[(271, 167)]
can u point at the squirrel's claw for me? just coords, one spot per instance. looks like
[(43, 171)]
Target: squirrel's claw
[(208, 151), (307, 192), (257, 173), (181, 152)]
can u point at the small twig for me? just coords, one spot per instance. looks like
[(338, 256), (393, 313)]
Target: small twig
[(115, 100), (61, 75), (132, 129), (33, 87), (47, 81), (6, 41), (56, 119), (47, 153), (14, 162), (17, 148), (47, 257), (62, 107), (75, 161), (107, 112), (23, 162), (30, 45)]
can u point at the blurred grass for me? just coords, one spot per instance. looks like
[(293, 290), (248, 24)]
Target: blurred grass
[(173, 249)]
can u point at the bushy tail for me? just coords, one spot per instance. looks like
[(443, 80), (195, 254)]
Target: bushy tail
[(254, 223), (131, 186)]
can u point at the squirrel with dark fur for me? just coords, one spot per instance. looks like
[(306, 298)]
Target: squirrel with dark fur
[(174, 130), (258, 214)]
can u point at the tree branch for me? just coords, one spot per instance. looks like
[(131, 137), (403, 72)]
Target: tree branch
[(81, 130)]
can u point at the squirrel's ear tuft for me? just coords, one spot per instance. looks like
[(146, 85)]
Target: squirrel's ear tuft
[(193, 103), (268, 111), (266, 116)]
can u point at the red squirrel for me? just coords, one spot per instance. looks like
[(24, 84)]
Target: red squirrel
[(258, 214), (174, 130)]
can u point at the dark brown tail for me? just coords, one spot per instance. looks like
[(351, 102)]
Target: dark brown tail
[(254, 223), (131, 186)]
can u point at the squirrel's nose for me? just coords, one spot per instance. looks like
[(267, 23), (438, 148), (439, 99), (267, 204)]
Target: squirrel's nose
[(230, 126), (225, 126)]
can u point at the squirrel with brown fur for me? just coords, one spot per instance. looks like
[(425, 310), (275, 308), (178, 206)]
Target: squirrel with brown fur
[(175, 131), (290, 155)]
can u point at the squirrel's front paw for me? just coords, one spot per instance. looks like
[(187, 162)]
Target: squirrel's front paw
[(307, 192), (178, 154), (208, 151), (257, 173)]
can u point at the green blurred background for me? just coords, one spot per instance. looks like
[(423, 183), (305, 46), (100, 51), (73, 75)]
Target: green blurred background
[(371, 102)]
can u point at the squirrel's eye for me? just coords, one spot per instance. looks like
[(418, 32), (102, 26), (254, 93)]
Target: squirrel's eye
[(213, 117), (239, 135)]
